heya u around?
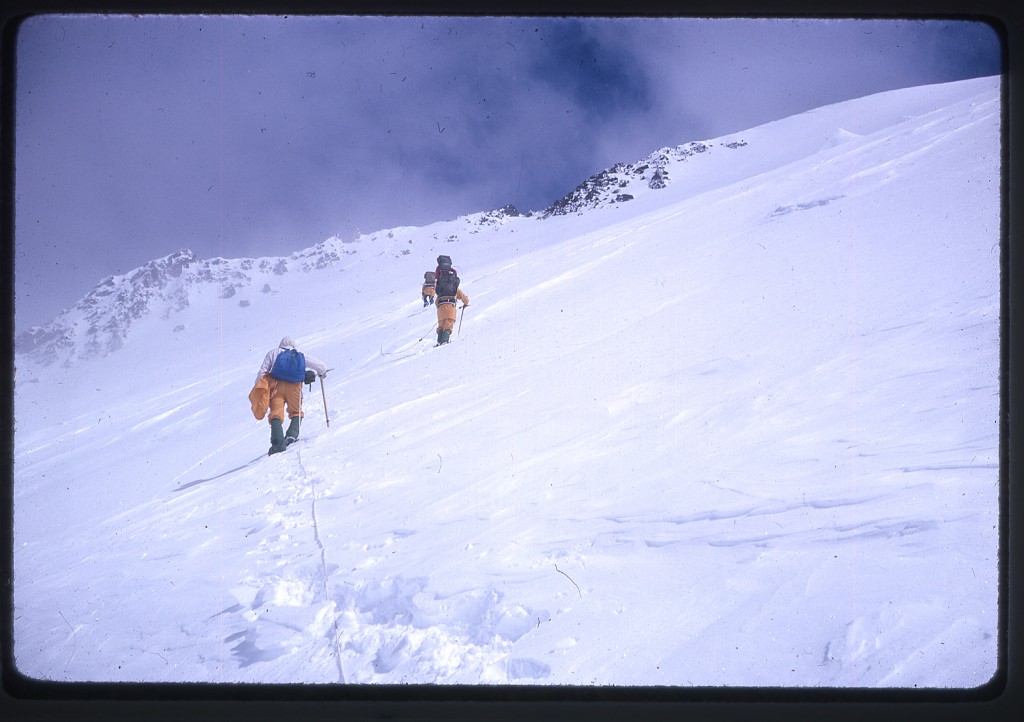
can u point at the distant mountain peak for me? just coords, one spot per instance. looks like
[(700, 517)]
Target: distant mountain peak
[(99, 322)]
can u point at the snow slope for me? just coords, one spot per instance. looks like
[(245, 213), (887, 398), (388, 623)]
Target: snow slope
[(741, 429)]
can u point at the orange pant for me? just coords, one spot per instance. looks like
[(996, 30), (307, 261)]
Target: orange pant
[(284, 393), (446, 316)]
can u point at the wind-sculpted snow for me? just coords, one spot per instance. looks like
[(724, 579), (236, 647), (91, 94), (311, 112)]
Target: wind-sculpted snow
[(742, 430), (390, 628)]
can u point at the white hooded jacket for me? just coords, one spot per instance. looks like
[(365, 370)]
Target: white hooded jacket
[(311, 361)]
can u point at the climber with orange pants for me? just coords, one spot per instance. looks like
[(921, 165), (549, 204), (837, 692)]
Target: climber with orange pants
[(279, 386), (446, 286)]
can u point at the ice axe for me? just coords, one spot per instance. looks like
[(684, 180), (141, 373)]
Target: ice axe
[(310, 375), (461, 316), (324, 394)]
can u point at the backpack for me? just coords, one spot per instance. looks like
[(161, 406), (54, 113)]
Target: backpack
[(447, 278), (428, 278), (290, 365)]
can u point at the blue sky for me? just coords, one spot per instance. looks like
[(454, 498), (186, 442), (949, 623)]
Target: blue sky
[(262, 135)]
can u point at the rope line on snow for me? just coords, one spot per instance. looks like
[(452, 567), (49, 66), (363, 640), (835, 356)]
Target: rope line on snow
[(74, 639), (570, 579), (323, 566)]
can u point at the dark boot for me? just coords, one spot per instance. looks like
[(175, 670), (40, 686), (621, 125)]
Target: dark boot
[(276, 437), (444, 336), (292, 435), (440, 335)]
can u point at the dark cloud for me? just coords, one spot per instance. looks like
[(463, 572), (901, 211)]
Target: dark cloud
[(596, 71), (249, 136)]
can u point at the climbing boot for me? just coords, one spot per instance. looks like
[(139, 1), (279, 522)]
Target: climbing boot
[(277, 442), (292, 434)]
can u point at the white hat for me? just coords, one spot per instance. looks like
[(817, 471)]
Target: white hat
[(287, 342)]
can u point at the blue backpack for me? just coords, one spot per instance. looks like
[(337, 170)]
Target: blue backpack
[(290, 365)]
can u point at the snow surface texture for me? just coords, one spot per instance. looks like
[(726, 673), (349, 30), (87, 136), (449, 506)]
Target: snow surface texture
[(740, 428)]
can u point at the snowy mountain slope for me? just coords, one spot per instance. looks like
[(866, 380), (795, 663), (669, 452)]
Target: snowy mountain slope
[(739, 430)]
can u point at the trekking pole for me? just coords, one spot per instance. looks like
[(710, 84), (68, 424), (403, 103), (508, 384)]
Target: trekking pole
[(324, 394), (461, 316)]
